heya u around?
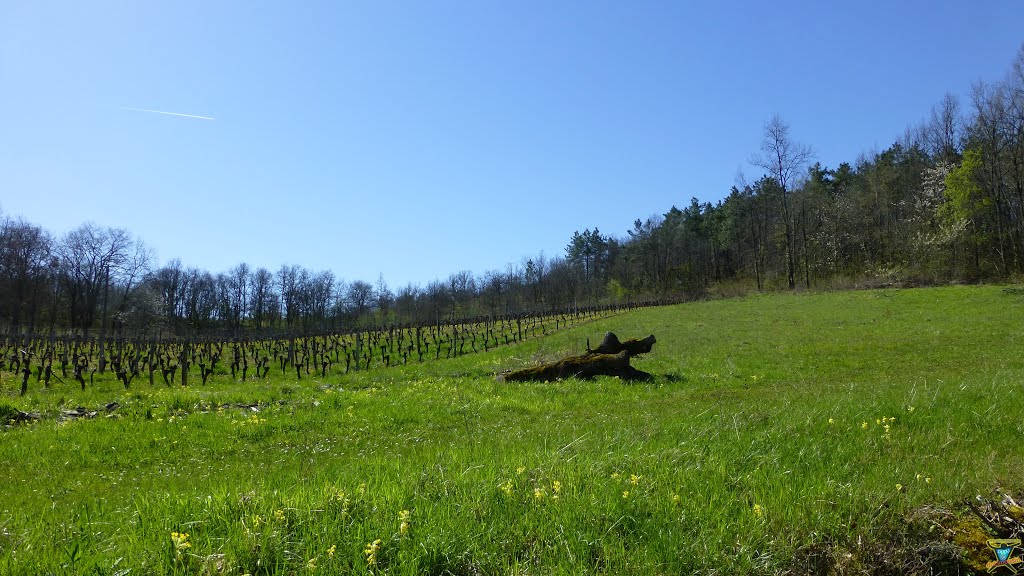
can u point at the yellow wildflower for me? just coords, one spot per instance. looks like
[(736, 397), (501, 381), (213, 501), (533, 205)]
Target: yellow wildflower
[(615, 475), (676, 499), (831, 421), (332, 550), (625, 494), (180, 542), (520, 470), (538, 493), (405, 517), (899, 487), (927, 480), (311, 565), (371, 552), (634, 479), (256, 521), (507, 488), (279, 515), (864, 425), (556, 487), (758, 511)]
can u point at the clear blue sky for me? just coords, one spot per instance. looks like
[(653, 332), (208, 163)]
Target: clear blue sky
[(416, 139)]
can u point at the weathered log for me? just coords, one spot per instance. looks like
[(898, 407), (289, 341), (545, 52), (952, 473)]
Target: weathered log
[(585, 366), (611, 345), (611, 358)]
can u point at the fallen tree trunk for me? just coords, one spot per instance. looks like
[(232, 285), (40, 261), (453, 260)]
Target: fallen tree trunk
[(609, 359), (611, 345)]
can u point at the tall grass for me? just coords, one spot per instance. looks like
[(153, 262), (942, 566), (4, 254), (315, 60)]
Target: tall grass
[(775, 424)]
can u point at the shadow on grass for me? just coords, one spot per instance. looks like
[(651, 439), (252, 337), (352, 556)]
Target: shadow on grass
[(670, 378)]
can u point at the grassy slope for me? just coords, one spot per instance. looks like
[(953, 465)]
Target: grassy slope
[(750, 444)]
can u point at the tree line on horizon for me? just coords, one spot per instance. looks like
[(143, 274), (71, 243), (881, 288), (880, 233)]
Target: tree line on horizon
[(945, 202)]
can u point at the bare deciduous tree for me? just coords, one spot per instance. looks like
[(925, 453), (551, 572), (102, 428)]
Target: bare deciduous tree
[(384, 296), (784, 160), (263, 297), (24, 266), (91, 259), (943, 131), (358, 297)]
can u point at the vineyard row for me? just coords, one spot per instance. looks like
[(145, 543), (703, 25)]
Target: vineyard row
[(78, 358)]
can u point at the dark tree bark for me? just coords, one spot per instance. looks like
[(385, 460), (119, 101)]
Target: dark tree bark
[(611, 345), (611, 358)]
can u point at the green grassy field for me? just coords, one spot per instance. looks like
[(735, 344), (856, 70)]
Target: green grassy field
[(782, 434)]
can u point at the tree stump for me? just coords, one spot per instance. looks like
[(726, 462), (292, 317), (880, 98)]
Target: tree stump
[(611, 345), (611, 358)]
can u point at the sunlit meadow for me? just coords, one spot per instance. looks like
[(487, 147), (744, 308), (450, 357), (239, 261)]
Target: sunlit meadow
[(776, 425)]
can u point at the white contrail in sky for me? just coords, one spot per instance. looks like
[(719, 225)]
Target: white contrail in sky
[(168, 113)]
